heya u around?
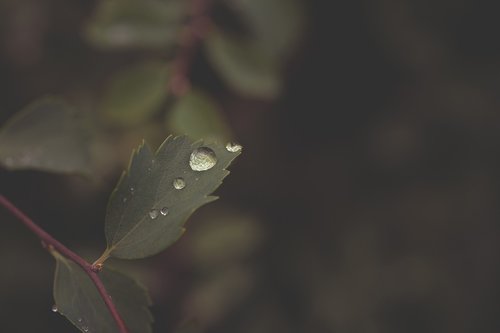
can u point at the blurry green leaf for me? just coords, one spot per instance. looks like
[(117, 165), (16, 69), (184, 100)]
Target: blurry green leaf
[(136, 23), (244, 65), (197, 115), (275, 24), (78, 300), (46, 135), (135, 94), (146, 213)]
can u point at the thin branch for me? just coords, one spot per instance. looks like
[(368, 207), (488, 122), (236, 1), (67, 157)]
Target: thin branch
[(51, 242), (190, 38)]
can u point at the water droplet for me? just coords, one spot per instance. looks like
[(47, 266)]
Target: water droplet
[(54, 308), (202, 159), (79, 320), (153, 213), (132, 190), (164, 211), (179, 183), (233, 147), (85, 328)]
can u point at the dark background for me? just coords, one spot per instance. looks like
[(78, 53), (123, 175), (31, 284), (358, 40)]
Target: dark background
[(366, 198)]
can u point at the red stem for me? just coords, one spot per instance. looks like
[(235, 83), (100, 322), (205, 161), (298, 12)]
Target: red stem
[(55, 244), (190, 37)]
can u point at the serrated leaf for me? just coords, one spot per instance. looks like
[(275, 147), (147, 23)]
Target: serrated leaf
[(78, 300), (244, 65), (135, 226), (197, 115), (47, 135), (136, 23), (135, 93)]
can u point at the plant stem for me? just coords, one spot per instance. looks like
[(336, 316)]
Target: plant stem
[(190, 37), (53, 243)]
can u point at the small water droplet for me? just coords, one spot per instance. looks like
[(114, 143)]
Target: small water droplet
[(179, 183), (85, 328), (233, 147), (132, 190), (79, 320), (164, 211), (54, 308), (153, 213), (202, 159)]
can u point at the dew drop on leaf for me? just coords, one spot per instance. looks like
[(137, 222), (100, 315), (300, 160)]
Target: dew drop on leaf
[(54, 308), (233, 147), (153, 213), (202, 159), (164, 211), (179, 183)]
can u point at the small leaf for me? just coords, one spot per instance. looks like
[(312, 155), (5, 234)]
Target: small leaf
[(197, 115), (78, 300), (146, 212), (136, 23), (135, 94), (244, 65), (275, 24), (47, 135)]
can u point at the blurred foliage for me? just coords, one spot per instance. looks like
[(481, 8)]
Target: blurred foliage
[(369, 184)]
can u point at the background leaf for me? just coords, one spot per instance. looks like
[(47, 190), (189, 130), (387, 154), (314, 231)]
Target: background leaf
[(135, 93), (244, 65), (197, 115), (78, 300), (47, 135), (146, 212), (135, 23)]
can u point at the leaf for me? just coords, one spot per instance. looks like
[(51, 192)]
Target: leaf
[(197, 115), (136, 23), (79, 301), (275, 24), (47, 135), (244, 65), (135, 94), (135, 226)]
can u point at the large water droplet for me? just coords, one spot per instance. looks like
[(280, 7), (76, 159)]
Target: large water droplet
[(153, 213), (202, 159), (233, 147), (164, 211), (54, 308), (179, 183)]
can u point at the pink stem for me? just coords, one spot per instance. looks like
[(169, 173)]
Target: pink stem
[(55, 244)]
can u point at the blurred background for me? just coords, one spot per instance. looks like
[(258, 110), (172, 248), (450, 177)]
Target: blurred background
[(366, 197)]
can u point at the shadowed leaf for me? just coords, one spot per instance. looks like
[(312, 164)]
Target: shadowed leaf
[(197, 115), (135, 23), (47, 135), (78, 300), (146, 213), (135, 94)]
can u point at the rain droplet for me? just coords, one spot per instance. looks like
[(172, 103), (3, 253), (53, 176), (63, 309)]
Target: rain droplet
[(202, 159), (153, 213), (179, 183), (233, 147), (132, 190), (54, 308), (164, 211)]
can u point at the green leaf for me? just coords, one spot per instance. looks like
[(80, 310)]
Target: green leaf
[(136, 23), (146, 213), (244, 65), (47, 135), (79, 301), (135, 94), (275, 24), (197, 115)]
